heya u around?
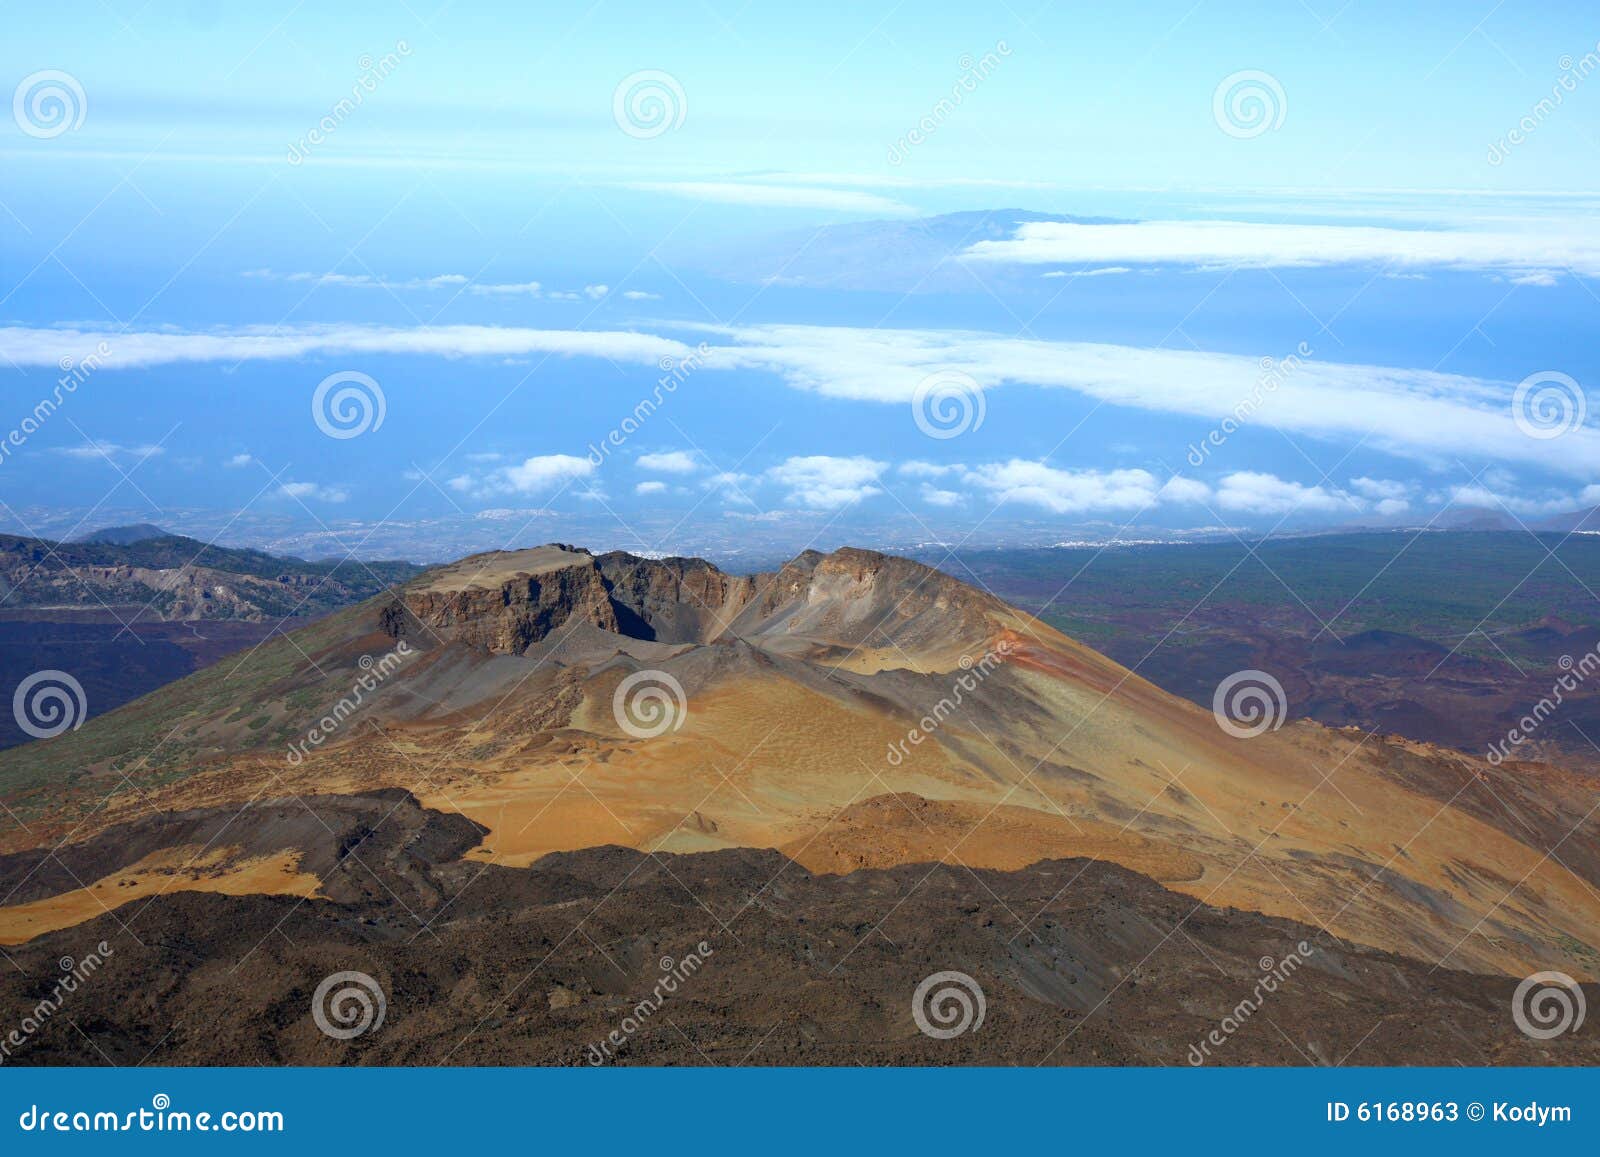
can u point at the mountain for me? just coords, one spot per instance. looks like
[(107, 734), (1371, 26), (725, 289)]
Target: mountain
[(1586, 521), (123, 535), (168, 577), (130, 609), (920, 255), (852, 712)]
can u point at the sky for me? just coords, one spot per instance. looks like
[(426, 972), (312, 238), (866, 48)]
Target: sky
[(405, 279)]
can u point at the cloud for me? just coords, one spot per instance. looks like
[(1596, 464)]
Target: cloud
[(300, 491), (1185, 491), (1490, 497), (1250, 492), (46, 347), (1431, 417), (1544, 278), (933, 496), (544, 472), (1268, 245), (361, 280), (821, 482), (640, 295), (1380, 488), (507, 289), (1104, 271), (95, 451), (1065, 491), (541, 475), (669, 462), (239, 460), (1424, 415), (441, 281), (776, 196), (916, 469), (653, 487)]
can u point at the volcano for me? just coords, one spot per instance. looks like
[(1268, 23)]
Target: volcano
[(851, 713)]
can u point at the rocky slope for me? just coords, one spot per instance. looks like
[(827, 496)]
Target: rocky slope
[(174, 578), (856, 711)]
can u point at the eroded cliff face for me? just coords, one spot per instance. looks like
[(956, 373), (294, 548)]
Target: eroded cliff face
[(506, 602), (507, 614), (675, 600)]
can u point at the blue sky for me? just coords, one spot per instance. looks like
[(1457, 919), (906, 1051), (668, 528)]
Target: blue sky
[(1283, 266)]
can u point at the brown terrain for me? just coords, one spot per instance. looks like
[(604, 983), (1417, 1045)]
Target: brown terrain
[(538, 772)]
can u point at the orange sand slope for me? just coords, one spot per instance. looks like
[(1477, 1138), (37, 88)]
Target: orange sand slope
[(860, 711)]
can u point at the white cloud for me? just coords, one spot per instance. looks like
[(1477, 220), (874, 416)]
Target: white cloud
[(654, 487), (362, 280), (1250, 492), (1271, 245), (917, 469), (1380, 488), (239, 460), (933, 496), (508, 289), (669, 462), (1103, 271), (544, 472), (596, 292), (1065, 491), (94, 451), (822, 482), (776, 196), (1492, 498), (1544, 278), (313, 490), (39, 347), (1590, 495), (1431, 417), (640, 295), (1185, 490), (1428, 416)]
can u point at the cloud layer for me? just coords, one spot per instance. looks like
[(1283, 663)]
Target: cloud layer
[(1264, 245)]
